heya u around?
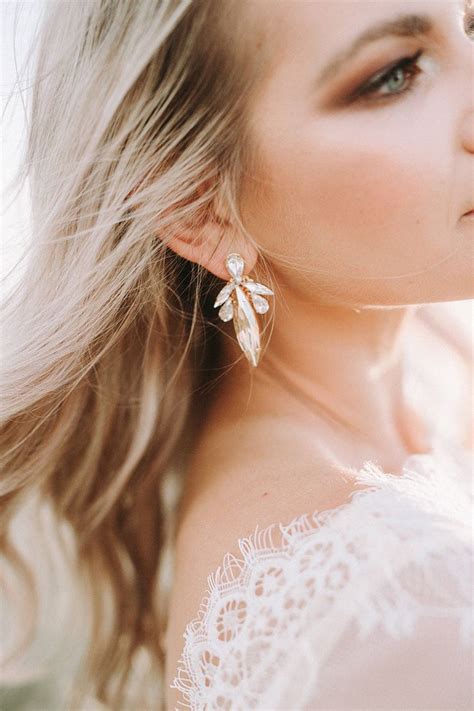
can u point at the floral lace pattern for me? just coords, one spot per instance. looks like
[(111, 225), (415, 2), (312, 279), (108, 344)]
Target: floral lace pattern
[(327, 617), (400, 549)]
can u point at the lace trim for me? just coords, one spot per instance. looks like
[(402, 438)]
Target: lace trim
[(400, 548)]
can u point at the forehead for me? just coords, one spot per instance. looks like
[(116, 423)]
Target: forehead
[(292, 38), (325, 24)]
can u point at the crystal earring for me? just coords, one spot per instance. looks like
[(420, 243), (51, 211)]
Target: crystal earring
[(240, 298)]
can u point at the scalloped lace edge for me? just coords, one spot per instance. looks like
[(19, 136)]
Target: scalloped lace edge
[(417, 468)]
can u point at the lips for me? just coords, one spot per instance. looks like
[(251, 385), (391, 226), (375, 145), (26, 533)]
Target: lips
[(470, 213)]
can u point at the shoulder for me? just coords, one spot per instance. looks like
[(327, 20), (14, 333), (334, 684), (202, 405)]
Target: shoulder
[(242, 484), (273, 465), (406, 521), (260, 471)]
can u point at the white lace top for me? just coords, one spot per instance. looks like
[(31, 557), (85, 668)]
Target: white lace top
[(365, 606)]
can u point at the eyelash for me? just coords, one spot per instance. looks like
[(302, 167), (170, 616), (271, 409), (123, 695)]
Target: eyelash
[(408, 64)]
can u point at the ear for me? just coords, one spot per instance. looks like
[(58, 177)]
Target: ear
[(210, 241)]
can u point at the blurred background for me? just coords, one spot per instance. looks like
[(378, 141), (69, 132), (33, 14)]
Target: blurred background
[(19, 21)]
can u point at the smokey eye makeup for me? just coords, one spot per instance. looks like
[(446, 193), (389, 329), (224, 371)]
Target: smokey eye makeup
[(396, 79)]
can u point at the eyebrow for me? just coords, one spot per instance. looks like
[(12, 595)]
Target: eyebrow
[(401, 26)]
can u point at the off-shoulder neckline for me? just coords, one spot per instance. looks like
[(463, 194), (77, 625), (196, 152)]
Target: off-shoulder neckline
[(369, 479), (422, 476)]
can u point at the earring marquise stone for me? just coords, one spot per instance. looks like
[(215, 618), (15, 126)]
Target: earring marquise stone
[(240, 299)]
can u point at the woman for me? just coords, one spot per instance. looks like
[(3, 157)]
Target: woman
[(322, 150)]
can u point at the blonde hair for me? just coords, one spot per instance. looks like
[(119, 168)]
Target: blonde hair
[(137, 124)]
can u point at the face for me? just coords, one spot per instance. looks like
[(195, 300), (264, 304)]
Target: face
[(363, 172)]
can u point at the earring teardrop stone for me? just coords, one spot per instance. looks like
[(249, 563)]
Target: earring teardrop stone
[(246, 328), (235, 266)]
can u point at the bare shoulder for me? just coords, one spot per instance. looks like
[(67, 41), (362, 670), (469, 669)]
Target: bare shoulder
[(259, 472)]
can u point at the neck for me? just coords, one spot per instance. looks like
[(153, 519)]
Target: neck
[(339, 364)]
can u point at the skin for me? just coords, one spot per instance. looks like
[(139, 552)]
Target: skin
[(358, 209)]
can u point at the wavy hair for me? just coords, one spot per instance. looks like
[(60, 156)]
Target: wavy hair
[(137, 124)]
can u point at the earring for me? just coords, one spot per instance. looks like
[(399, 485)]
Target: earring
[(240, 298)]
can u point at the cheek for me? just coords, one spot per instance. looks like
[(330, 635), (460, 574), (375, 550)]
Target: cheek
[(361, 192), (371, 206), (361, 207)]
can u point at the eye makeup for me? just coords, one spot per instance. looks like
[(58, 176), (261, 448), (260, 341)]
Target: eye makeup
[(407, 66)]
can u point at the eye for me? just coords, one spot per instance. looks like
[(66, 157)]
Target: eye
[(397, 79)]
